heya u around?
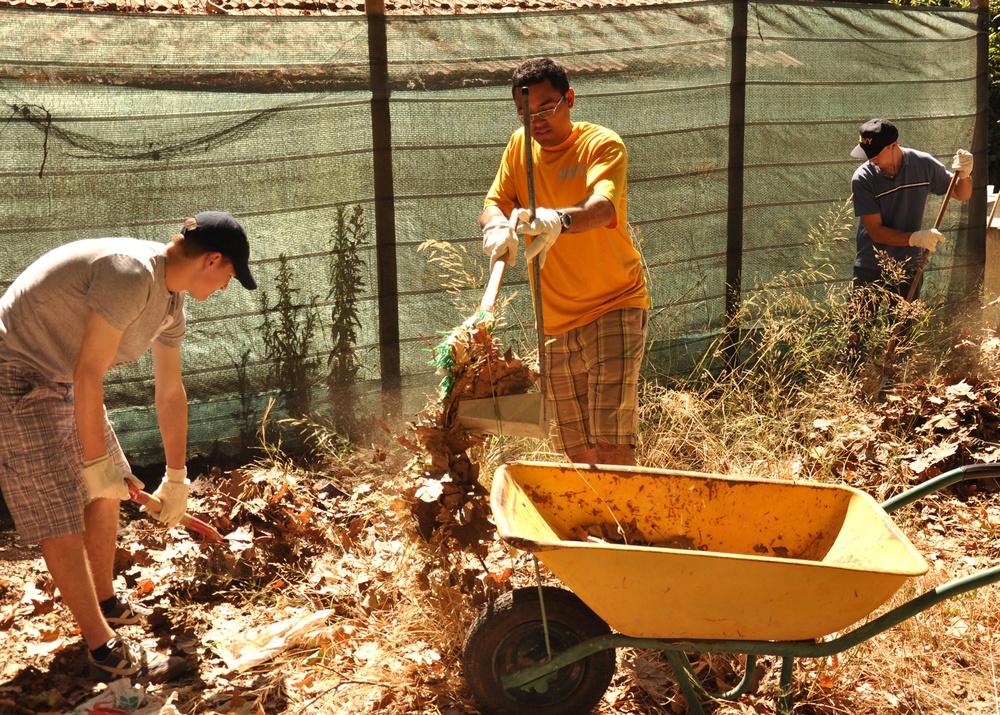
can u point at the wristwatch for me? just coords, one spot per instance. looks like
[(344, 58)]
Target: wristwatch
[(565, 219)]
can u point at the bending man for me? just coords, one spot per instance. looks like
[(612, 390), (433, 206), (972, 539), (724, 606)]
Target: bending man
[(74, 314)]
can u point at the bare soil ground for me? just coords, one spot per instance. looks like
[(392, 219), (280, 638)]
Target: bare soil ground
[(390, 610)]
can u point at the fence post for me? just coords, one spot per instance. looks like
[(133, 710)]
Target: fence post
[(385, 214), (737, 140), (980, 139)]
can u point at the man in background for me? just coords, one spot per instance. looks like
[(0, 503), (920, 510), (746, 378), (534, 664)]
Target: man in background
[(890, 194)]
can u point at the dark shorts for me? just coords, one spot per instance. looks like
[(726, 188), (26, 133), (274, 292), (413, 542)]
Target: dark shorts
[(41, 456), (592, 380)]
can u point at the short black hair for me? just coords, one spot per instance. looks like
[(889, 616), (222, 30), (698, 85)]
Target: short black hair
[(536, 71)]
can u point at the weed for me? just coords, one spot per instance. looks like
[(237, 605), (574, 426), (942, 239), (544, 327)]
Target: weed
[(346, 288), (288, 333), (244, 390)]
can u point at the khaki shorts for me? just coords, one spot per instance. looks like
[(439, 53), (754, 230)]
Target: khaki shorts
[(592, 380), (41, 456)]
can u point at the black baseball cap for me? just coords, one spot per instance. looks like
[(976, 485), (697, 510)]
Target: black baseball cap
[(219, 231), (874, 136)]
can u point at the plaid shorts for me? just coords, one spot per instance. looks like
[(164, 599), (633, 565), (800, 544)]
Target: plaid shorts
[(592, 380), (41, 455)]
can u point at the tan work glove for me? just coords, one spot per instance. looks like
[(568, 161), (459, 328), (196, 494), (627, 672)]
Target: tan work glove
[(173, 493), (499, 239), (106, 480), (962, 164), (545, 228), (927, 239)]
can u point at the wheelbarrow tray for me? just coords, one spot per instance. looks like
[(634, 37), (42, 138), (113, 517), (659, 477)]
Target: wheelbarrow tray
[(718, 557)]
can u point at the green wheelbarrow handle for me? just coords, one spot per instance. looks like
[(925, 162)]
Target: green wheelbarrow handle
[(961, 474)]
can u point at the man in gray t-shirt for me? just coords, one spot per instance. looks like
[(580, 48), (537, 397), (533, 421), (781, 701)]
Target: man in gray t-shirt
[(74, 314), (890, 194)]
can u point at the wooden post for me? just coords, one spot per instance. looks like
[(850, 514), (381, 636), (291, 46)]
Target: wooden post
[(982, 239), (385, 213), (737, 142), (991, 273)]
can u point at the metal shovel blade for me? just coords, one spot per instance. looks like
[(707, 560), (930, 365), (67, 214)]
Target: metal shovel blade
[(521, 415)]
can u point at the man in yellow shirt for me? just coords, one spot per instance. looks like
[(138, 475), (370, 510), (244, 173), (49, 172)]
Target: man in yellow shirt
[(594, 299)]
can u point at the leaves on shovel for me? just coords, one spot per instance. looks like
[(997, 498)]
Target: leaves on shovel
[(446, 493)]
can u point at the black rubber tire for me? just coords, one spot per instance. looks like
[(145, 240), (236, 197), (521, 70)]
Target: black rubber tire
[(508, 636)]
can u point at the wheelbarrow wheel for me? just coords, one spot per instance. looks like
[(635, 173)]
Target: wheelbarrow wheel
[(508, 636)]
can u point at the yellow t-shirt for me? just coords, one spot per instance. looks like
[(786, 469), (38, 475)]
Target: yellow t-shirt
[(586, 274)]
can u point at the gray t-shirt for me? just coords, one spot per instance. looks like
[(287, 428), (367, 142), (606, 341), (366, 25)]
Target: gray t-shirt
[(45, 310), (900, 201)]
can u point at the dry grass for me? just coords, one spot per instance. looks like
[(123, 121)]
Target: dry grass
[(794, 409)]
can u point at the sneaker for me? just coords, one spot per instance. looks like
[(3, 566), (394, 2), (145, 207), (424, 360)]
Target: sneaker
[(130, 661), (124, 613)]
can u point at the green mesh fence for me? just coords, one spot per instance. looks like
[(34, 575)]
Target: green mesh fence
[(124, 125)]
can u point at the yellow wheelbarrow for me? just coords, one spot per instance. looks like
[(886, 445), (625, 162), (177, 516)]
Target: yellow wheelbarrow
[(686, 562)]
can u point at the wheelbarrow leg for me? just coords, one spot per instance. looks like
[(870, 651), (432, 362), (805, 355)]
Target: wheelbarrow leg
[(685, 678), (785, 699)]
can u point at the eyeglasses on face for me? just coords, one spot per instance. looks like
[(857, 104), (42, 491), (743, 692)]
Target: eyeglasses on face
[(544, 114)]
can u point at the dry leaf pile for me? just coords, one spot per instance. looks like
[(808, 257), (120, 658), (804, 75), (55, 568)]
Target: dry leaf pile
[(322, 599), (285, 612), (930, 427)]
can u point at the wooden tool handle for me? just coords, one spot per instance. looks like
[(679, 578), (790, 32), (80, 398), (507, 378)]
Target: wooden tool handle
[(923, 259), (536, 270), (947, 198), (155, 506), (529, 160), (493, 285)]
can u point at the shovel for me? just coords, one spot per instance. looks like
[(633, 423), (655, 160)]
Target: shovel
[(894, 338), (523, 415)]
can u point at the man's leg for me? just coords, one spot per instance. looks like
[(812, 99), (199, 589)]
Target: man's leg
[(67, 560), (100, 539), (566, 395), (864, 298), (587, 456), (616, 454), (606, 454), (615, 352)]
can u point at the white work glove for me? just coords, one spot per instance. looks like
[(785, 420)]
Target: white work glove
[(499, 239), (962, 164), (106, 480), (545, 228), (173, 492), (928, 239)]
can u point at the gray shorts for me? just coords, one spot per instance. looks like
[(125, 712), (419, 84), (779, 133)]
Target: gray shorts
[(41, 456)]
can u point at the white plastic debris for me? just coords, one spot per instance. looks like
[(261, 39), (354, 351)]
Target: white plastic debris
[(243, 649)]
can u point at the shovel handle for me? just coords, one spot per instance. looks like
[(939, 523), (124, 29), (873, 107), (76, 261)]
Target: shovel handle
[(937, 223), (154, 505), (493, 285), (536, 271), (529, 161)]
